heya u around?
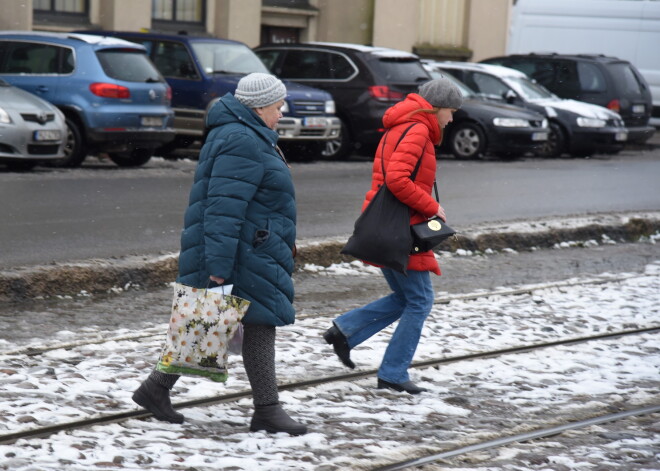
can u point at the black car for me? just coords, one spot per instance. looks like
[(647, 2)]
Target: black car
[(364, 82), (576, 128), (482, 127), (602, 80)]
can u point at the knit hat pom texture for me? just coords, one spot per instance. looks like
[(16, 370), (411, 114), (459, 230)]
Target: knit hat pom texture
[(257, 90)]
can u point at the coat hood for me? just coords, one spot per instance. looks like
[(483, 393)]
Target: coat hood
[(229, 110), (401, 113)]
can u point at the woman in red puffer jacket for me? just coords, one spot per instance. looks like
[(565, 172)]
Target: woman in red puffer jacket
[(411, 300)]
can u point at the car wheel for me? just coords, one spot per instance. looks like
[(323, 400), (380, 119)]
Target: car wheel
[(74, 149), (135, 158), (339, 148), (556, 143), (179, 142), (467, 141), (301, 152)]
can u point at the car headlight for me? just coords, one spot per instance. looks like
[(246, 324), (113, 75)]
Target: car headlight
[(4, 117), (591, 122), (544, 123), (330, 107), (285, 107), (511, 122)]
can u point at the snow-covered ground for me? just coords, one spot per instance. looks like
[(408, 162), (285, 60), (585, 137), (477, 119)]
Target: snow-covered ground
[(353, 425)]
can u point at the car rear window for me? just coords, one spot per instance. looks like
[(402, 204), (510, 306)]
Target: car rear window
[(128, 65), (626, 78), (401, 70)]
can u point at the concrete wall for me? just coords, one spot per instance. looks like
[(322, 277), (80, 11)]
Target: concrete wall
[(488, 27), (396, 23), (348, 21), (235, 19), (113, 15), (16, 15)]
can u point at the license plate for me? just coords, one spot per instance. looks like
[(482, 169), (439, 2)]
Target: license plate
[(540, 136), (621, 136), (47, 135), (152, 121), (315, 122), (639, 109)]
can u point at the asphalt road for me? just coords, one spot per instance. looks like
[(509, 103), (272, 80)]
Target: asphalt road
[(101, 211)]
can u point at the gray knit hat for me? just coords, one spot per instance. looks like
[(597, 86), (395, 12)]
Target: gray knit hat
[(442, 93), (257, 90)]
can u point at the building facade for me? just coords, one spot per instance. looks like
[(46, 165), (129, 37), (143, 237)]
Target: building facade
[(444, 29)]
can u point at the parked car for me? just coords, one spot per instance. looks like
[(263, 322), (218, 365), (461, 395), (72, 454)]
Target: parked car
[(602, 80), (482, 127), (364, 81), (576, 128), (112, 96), (31, 129), (201, 69)]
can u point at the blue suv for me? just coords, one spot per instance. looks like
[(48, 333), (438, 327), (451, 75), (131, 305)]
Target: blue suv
[(114, 99), (203, 69)]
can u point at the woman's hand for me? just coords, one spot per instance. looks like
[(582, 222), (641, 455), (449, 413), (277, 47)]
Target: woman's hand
[(441, 213), (217, 279)]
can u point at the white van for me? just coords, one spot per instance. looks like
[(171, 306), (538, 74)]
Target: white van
[(627, 29)]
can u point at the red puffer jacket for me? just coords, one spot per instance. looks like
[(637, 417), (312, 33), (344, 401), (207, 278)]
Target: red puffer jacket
[(418, 142)]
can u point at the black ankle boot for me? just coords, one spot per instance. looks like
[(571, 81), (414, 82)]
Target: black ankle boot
[(408, 386), (273, 419), (334, 336), (156, 399)]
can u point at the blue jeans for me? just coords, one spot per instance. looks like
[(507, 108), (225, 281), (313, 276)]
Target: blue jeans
[(410, 303)]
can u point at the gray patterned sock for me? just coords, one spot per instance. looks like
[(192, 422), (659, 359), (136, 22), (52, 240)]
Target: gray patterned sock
[(164, 379), (259, 362)]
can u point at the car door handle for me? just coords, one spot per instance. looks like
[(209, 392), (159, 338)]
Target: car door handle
[(42, 88)]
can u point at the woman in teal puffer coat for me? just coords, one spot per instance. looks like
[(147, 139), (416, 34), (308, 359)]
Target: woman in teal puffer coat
[(240, 229)]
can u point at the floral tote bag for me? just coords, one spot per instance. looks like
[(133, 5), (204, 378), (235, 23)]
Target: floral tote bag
[(201, 325)]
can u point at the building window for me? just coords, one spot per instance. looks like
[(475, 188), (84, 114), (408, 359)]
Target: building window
[(180, 11), (61, 13), (59, 7)]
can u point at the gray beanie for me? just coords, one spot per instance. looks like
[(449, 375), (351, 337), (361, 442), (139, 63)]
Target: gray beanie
[(257, 90), (442, 93)]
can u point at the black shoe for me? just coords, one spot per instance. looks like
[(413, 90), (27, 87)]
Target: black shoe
[(408, 386), (273, 419), (334, 336), (156, 399)]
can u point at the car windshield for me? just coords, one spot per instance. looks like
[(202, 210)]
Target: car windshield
[(528, 89), (228, 58), (129, 65)]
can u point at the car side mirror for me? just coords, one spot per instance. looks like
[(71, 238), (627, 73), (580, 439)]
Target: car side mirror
[(509, 96), (186, 70)]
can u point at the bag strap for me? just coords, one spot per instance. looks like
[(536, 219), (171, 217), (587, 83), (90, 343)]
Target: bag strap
[(382, 152), (413, 175)]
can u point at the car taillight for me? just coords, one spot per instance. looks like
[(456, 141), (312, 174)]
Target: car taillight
[(614, 105), (169, 93), (109, 90), (383, 93)]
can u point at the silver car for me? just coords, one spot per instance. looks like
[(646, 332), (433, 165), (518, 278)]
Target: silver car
[(31, 129)]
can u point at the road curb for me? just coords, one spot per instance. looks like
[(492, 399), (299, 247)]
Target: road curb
[(108, 275)]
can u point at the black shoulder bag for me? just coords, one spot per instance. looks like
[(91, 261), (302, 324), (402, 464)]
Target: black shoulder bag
[(382, 234)]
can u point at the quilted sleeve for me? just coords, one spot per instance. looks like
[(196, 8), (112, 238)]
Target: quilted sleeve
[(400, 166), (235, 176)]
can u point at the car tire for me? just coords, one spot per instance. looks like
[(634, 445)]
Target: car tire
[(301, 152), (339, 148), (467, 141), (135, 158), (555, 146), (75, 150)]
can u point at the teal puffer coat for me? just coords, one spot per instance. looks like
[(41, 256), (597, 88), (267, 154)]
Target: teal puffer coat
[(240, 224)]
